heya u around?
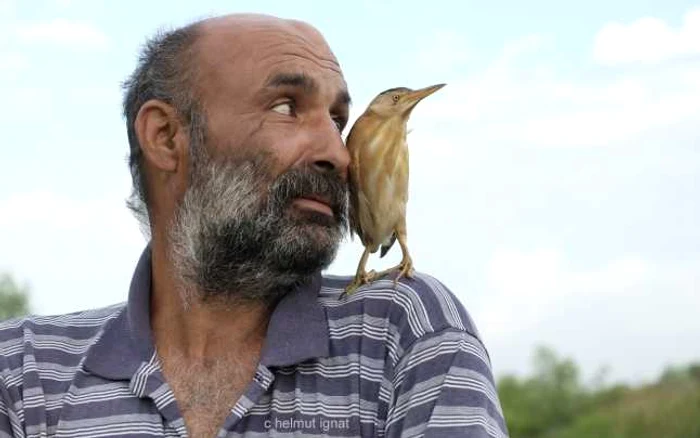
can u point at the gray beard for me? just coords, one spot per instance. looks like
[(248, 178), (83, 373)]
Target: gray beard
[(236, 239)]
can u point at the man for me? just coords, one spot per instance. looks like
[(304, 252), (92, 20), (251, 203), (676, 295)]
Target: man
[(230, 329)]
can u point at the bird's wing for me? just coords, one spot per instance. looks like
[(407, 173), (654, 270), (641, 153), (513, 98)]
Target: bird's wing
[(353, 183), (354, 195), (399, 171)]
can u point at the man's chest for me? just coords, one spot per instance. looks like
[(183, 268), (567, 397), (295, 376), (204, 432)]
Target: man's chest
[(205, 395)]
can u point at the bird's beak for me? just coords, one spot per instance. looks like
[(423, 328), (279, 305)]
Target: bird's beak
[(412, 98)]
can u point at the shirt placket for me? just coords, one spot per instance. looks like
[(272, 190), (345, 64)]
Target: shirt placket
[(149, 383), (262, 380)]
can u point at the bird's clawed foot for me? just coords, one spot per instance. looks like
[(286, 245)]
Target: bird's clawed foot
[(405, 269), (360, 280)]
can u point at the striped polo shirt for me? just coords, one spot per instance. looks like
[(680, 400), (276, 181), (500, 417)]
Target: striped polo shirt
[(385, 361)]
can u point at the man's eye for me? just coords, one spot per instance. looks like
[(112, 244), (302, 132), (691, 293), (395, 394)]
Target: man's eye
[(339, 123), (286, 108)]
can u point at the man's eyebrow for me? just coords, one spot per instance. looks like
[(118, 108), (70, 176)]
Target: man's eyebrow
[(298, 80), (343, 98), (308, 84)]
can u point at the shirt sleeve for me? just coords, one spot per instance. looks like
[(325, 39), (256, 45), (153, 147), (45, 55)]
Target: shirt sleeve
[(444, 387), (5, 414)]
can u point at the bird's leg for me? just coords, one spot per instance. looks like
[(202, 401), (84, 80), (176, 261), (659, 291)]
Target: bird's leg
[(405, 267), (361, 277)]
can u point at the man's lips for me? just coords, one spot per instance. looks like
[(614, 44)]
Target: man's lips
[(316, 203)]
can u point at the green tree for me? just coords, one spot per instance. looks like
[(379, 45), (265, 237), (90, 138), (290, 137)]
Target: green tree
[(665, 409), (545, 402), (14, 299), (552, 403)]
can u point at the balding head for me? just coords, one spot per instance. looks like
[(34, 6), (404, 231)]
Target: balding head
[(245, 23), (236, 52), (185, 66), (239, 40)]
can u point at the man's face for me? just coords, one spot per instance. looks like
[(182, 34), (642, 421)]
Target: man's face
[(265, 206), (274, 89)]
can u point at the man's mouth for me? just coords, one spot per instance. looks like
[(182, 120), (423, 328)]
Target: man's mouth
[(316, 203)]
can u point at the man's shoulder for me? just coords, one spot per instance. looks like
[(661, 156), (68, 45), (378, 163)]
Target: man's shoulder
[(414, 308), (53, 337), (62, 324)]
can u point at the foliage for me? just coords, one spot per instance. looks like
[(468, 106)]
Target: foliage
[(554, 404), (14, 299), (550, 399)]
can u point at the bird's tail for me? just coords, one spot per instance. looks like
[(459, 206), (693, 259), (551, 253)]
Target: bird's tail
[(386, 246)]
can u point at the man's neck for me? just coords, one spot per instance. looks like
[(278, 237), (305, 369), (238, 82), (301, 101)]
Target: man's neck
[(201, 331)]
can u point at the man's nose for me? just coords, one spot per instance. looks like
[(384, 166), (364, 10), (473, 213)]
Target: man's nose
[(329, 151)]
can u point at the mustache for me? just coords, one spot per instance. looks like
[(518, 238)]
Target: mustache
[(307, 182)]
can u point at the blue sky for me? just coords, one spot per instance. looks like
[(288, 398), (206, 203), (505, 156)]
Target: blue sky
[(554, 181)]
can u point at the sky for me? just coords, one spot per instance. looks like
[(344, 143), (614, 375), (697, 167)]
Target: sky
[(554, 180)]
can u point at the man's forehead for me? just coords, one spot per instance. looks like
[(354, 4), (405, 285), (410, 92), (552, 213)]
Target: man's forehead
[(248, 32), (268, 47)]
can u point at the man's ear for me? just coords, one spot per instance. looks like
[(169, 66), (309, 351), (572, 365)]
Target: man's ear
[(160, 135)]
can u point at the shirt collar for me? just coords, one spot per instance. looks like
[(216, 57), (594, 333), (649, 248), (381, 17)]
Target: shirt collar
[(297, 331)]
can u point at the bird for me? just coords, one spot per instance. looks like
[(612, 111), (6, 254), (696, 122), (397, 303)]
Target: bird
[(378, 179)]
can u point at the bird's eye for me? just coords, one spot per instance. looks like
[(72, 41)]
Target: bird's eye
[(286, 108), (396, 97)]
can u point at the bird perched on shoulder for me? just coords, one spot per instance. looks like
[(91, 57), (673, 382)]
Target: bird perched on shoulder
[(378, 178)]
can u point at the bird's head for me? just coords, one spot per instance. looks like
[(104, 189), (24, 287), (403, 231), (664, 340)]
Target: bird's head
[(400, 101)]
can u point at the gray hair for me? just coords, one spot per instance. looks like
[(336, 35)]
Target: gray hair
[(165, 71)]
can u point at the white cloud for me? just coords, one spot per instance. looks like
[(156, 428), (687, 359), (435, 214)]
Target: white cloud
[(64, 32), (7, 8), (525, 45), (612, 123), (12, 63), (49, 210), (442, 51), (648, 40), (516, 102), (603, 315), (528, 286)]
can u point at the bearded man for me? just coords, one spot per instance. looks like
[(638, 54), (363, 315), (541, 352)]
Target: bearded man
[(230, 328)]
